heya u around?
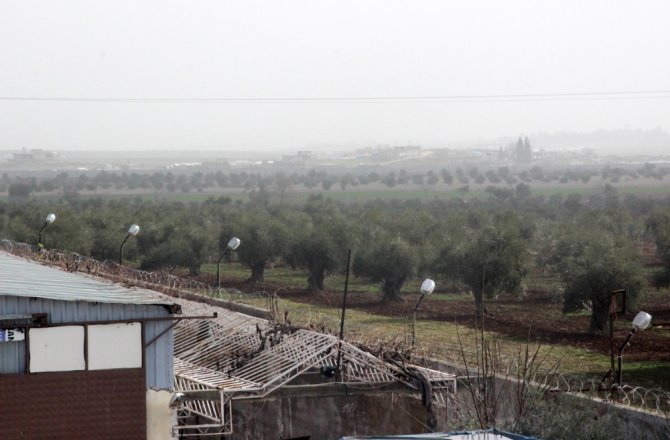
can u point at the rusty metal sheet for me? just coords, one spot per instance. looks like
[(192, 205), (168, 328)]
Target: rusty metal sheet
[(101, 405)]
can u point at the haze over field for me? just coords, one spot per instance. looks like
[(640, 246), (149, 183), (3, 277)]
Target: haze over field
[(99, 75)]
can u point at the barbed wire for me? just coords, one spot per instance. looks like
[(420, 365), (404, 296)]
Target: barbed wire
[(654, 400)]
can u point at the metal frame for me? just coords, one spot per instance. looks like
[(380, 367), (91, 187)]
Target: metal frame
[(235, 356), (219, 414)]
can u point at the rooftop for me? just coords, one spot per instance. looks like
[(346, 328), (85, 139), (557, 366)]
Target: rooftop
[(25, 278)]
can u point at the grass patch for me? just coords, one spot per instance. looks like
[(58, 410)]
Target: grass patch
[(451, 342), (283, 276)]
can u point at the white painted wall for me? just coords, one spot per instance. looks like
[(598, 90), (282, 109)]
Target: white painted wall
[(114, 346), (57, 349), (160, 417)]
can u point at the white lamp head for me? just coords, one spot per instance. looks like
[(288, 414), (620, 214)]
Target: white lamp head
[(427, 286), (234, 243), (133, 229), (642, 321), (51, 218)]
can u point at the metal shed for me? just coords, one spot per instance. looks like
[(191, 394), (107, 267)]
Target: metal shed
[(81, 352)]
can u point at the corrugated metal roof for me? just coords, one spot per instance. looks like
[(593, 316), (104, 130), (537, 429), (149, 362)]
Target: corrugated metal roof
[(25, 278)]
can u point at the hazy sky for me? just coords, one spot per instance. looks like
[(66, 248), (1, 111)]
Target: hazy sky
[(229, 49)]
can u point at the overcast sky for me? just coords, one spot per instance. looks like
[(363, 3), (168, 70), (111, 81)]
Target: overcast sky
[(243, 49)]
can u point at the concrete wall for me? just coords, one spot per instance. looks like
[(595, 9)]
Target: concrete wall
[(330, 415), (160, 417), (330, 410)]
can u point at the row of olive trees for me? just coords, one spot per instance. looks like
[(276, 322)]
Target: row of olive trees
[(487, 247), (313, 179)]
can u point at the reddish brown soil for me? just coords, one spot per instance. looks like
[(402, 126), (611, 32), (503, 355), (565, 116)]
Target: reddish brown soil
[(533, 318)]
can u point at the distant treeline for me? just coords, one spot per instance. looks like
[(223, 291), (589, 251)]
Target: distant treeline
[(65, 184)]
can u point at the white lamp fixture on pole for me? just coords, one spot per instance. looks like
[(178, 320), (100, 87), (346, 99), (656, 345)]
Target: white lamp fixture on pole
[(232, 245), (642, 321), (132, 230), (427, 288), (50, 219)]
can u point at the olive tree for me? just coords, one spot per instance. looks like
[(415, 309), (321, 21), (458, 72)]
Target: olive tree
[(263, 236), (592, 262), (658, 225), (489, 260), (321, 245), (389, 261), (179, 241)]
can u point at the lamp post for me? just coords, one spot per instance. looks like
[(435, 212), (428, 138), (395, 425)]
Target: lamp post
[(344, 309), (642, 321), (132, 230), (612, 317), (233, 244), (50, 219), (427, 288)]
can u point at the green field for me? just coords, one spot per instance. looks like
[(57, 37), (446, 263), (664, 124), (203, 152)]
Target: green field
[(451, 340), (379, 192)]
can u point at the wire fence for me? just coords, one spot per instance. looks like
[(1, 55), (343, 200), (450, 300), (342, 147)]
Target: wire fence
[(654, 400), (383, 341)]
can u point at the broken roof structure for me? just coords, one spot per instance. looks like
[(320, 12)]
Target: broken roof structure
[(239, 356)]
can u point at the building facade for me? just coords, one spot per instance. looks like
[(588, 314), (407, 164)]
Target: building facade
[(81, 357)]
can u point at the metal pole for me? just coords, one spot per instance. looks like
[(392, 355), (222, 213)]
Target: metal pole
[(121, 250), (413, 328), (344, 309), (611, 343), (416, 308), (177, 321), (39, 239), (623, 346), (612, 316), (218, 269)]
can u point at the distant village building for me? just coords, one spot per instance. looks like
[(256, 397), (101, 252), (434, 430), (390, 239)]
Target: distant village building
[(383, 153), (407, 151), (35, 154), (300, 158)]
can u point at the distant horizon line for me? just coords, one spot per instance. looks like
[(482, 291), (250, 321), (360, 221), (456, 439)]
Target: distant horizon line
[(465, 143)]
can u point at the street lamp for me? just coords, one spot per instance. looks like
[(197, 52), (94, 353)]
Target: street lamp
[(427, 288), (642, 321), (233, 244), (50, 219), (344, 309), (132, 230)]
